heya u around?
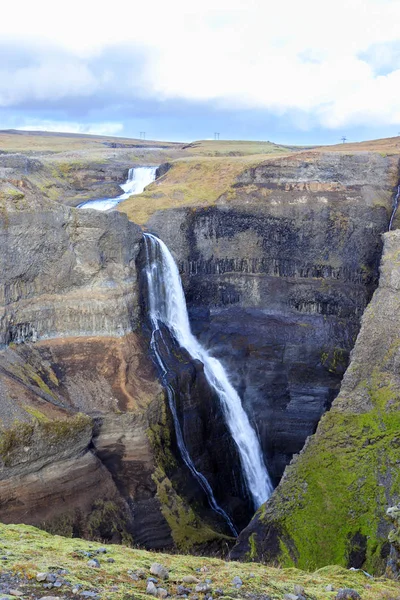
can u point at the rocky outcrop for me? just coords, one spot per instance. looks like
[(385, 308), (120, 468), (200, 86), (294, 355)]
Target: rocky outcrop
[(393, 564), (330, 505), (67, 178), (64, 272), (277, 275), (80, 401)]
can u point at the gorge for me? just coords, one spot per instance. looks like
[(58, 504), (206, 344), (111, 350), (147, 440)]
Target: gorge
[(279, 259)]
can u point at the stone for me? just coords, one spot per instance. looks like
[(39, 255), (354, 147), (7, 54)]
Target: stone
[(298, 590), (110, 560), (51, 577), (237, 582), (329, 588), (161, 592), (347, 594), (152, 579), (290, 597), (101, 551), (141, 574), (203, 588), (159, 571), (41, 576), (219, 592), (15, 593), (190, 579), (48, 586), (181, 590), (89, 594), (50, 598), (151, 589), (93, 563)]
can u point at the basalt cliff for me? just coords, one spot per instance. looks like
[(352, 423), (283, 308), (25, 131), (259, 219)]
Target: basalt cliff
[(279, 266)]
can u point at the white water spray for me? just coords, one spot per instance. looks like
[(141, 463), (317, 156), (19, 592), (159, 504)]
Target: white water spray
[(167, 305), (138, 179), (395, 205)]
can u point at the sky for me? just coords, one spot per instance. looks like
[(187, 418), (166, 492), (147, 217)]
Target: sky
[(287, 71)]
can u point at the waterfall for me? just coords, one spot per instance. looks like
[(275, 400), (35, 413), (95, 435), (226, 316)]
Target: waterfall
[(138, 179), (167, 305), (395, 205)]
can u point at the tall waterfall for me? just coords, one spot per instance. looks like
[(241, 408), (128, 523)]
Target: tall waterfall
[(395, 205), (167, 305), (138, 179)]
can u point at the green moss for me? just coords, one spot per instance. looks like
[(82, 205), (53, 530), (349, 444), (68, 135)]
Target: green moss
[(187, 529), (107, 519), (36, 414), (30, 551), (336, 491), (20, 434), (60, 430), (52, 432), (252, 554), (335, 359)]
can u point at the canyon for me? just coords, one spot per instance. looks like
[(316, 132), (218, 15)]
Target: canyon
[(282, 262)]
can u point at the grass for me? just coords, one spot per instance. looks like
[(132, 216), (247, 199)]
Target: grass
[(32, 550), (189, 183)]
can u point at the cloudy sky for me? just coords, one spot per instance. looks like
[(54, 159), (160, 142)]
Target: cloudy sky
[(289, 71)]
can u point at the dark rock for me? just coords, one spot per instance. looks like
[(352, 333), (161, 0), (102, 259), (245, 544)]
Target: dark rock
[(151, 589), (181, 589), (94, 563), (159, 571), (347, 594), (237, 582)]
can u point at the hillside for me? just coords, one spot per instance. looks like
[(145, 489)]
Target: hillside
[(123, 573)]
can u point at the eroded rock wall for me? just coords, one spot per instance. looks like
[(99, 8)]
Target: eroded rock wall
[(330, 506), (277, 275)]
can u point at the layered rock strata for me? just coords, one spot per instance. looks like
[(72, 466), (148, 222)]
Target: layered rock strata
[(277, 275), (330, 506)]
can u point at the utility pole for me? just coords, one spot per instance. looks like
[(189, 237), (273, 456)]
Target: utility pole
[(216, 135), (142, 135), (343, 138)]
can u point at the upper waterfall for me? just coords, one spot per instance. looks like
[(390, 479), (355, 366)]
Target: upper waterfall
[(138, 179), (167, 305), (395, 206)]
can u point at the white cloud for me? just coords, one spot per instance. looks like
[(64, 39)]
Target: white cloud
[(309, 57), (71, 127)]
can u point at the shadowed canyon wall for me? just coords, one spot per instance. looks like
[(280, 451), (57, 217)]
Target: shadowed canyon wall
[(338, 489), (277, 275)]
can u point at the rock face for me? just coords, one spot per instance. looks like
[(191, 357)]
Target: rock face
[(69, 284), (277, 275), (81, 409), (66, 272), (66, 178), (330, 505)]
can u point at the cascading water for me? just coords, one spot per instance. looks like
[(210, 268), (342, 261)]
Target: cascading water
[(167, 306), (138, 179), (395, 206)]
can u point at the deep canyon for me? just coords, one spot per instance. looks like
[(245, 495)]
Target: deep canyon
[(290, 281)]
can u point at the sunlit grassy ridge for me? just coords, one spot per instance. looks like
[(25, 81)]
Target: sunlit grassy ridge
[(32, 551), (190, 182)]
